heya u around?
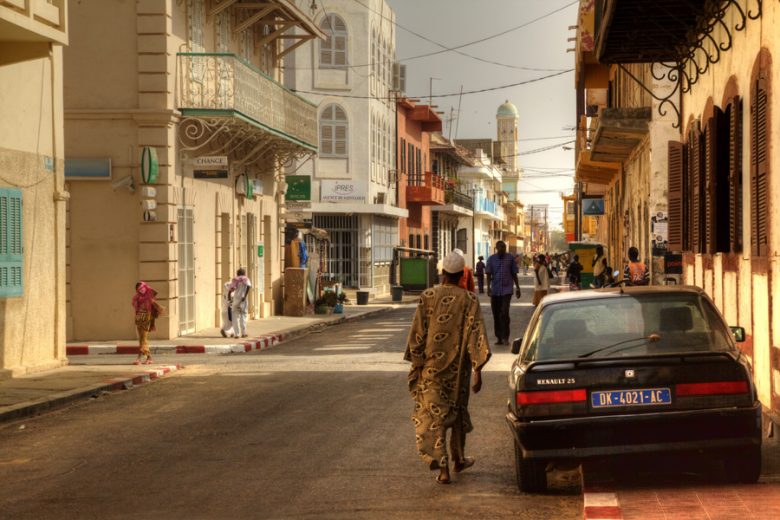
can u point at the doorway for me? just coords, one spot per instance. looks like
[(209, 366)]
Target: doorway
[(186, 264)]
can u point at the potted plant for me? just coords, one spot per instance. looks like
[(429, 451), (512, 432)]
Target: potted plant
[(326, 303), (341, 299)]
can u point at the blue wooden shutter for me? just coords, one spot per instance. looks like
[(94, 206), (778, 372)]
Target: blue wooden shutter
[(11, 283)]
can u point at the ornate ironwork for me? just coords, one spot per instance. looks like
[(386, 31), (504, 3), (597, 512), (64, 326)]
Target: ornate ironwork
[(225, 83), (711, 37)]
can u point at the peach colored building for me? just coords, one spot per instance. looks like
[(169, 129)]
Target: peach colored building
[(190, 90), (32, 192)]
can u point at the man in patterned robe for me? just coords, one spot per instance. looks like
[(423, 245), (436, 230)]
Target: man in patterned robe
[(446, 342)]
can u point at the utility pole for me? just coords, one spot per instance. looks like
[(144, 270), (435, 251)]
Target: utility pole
[(457, 124), (430, 91)]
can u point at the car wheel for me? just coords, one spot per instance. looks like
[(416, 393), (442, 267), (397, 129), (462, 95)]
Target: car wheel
[(531, 474), (744, 465)]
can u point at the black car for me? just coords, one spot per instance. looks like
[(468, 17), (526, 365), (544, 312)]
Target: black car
[(630, 371)]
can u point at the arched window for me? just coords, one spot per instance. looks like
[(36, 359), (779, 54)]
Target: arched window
[(333, 51), (333, 132)]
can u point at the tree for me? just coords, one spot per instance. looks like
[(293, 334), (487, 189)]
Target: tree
[(558, 240)]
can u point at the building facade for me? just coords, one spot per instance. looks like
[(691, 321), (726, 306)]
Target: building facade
[(354, 177), (175, 157), (32, 191), (722, 163)]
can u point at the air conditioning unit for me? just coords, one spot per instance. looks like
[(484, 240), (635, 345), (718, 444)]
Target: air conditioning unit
[(399, 77), (380, 198)]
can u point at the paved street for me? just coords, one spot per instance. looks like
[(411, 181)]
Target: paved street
[(317, 428)]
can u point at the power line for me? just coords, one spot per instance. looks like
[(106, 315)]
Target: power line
[(455, 49), (545, 138), (452, 94)]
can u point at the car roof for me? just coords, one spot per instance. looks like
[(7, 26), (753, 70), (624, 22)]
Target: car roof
[(617, 292)]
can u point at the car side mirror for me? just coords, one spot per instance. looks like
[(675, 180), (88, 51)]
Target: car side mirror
[(739, 334), (516, 345)]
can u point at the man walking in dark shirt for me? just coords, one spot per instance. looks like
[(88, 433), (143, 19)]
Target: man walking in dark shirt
[(480, 272), (501, 271)]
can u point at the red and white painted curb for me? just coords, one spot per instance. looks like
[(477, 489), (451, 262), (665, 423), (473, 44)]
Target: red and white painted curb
[(247, 345), (601, 503), (147, 376)]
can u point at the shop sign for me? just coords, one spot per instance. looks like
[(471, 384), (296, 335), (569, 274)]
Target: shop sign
[(206, 162), (149, 165), (210, 174), (343, 191), (593, 206), (673, 263), (298, 187)]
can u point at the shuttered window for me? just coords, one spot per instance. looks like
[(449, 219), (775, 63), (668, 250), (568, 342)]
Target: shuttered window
[(11, 263), (759, 169), (716, 184), (695, 189), (734, 113), (333, 132), (676, 213), (333, 51)]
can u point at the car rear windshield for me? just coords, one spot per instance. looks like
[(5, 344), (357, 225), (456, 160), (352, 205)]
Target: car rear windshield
[(628, 325)]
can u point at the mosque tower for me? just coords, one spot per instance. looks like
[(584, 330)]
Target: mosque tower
[(506, 127)]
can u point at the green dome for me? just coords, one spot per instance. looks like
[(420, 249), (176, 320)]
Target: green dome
[(507, 110)]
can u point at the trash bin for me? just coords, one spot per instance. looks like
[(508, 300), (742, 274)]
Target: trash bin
[(397, 291), (362, 297)]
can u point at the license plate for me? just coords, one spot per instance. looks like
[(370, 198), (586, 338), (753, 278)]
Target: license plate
[(640, 397)]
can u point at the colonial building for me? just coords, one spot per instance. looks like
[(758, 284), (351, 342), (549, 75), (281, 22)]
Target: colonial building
[(722, 167), (177, 130), (354, 178), (32, 192)]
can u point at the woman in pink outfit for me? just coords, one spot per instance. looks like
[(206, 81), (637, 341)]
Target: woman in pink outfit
[(147, 310)]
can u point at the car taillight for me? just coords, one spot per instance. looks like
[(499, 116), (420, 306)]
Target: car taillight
[(713, 388), (553, 396)]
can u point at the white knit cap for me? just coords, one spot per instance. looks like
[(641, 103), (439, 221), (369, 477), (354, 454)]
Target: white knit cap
[(458, 251), (453, 263)]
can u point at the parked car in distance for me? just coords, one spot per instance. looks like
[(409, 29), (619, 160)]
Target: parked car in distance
[(630, 371)]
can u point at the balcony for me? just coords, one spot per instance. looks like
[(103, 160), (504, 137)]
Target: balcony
[(225, 86), (619, 131), (34, 21), (487, 208), (426, 189), (456, 203)]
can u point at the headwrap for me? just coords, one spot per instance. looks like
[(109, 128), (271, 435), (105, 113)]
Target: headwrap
[(144, 297)]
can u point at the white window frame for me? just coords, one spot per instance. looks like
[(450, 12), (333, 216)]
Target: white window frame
[(329, 47), (329, 125)]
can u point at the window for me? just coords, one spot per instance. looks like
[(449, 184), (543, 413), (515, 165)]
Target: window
[(716, 184), (384, 238), (759, 168), (402, 162), (333, 51), (333, 132), (247, 43), (410, 161), (195, 36), (734, 115), (11, 261)]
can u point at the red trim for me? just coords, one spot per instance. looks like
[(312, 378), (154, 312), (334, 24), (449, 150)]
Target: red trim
[(605, 512), (713, 388), (553, 396), (77, 350), (191, 349), (128, 349)]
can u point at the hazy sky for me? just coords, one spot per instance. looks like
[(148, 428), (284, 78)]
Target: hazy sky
[(546, 108)]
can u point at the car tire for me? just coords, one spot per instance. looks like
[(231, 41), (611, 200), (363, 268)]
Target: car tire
[(531, 474), (744, 465)]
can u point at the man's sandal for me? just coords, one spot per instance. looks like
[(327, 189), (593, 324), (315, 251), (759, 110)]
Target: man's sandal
[(445, 480), (462, 465)]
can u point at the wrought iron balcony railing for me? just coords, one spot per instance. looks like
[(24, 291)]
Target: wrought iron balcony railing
[(224, 84), (452, 196)]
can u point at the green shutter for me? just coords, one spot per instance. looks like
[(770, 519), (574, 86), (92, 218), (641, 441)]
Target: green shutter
[(11, 283)]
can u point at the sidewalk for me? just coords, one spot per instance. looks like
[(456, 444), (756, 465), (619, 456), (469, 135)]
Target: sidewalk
[(36, 393), (261, 334)]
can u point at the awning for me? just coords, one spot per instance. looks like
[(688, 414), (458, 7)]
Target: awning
[(618, 132), (596, 172)]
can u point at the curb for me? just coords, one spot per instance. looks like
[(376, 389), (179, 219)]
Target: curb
[(600, 499), (241, 347), (59, 399)]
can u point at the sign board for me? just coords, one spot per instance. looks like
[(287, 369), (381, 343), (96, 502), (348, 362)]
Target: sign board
[(149, 165), (343, 191), (88, 168), (592, 206), (260, 250), (210, 174), (673, 263), (295, 205), (298, 187), (216, 162)]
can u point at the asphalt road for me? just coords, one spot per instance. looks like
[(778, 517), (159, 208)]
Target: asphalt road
[(316, 428)]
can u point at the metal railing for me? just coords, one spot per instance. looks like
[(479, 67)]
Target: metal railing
[(225, 82), (452, 196)]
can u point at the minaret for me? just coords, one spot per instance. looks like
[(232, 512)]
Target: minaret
[(506, 127)]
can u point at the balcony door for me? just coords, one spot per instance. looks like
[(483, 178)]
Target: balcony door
[(186, 271)]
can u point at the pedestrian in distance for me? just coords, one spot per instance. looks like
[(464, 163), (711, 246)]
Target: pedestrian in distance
[(447, 341), (227, 312), (480, 272), (599, 268), (574, 274), (501, 271), (635, 272), (467, 280), (147, 310), (542, 277), (239, 290)]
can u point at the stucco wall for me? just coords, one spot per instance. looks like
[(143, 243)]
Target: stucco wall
[(32, 326)]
